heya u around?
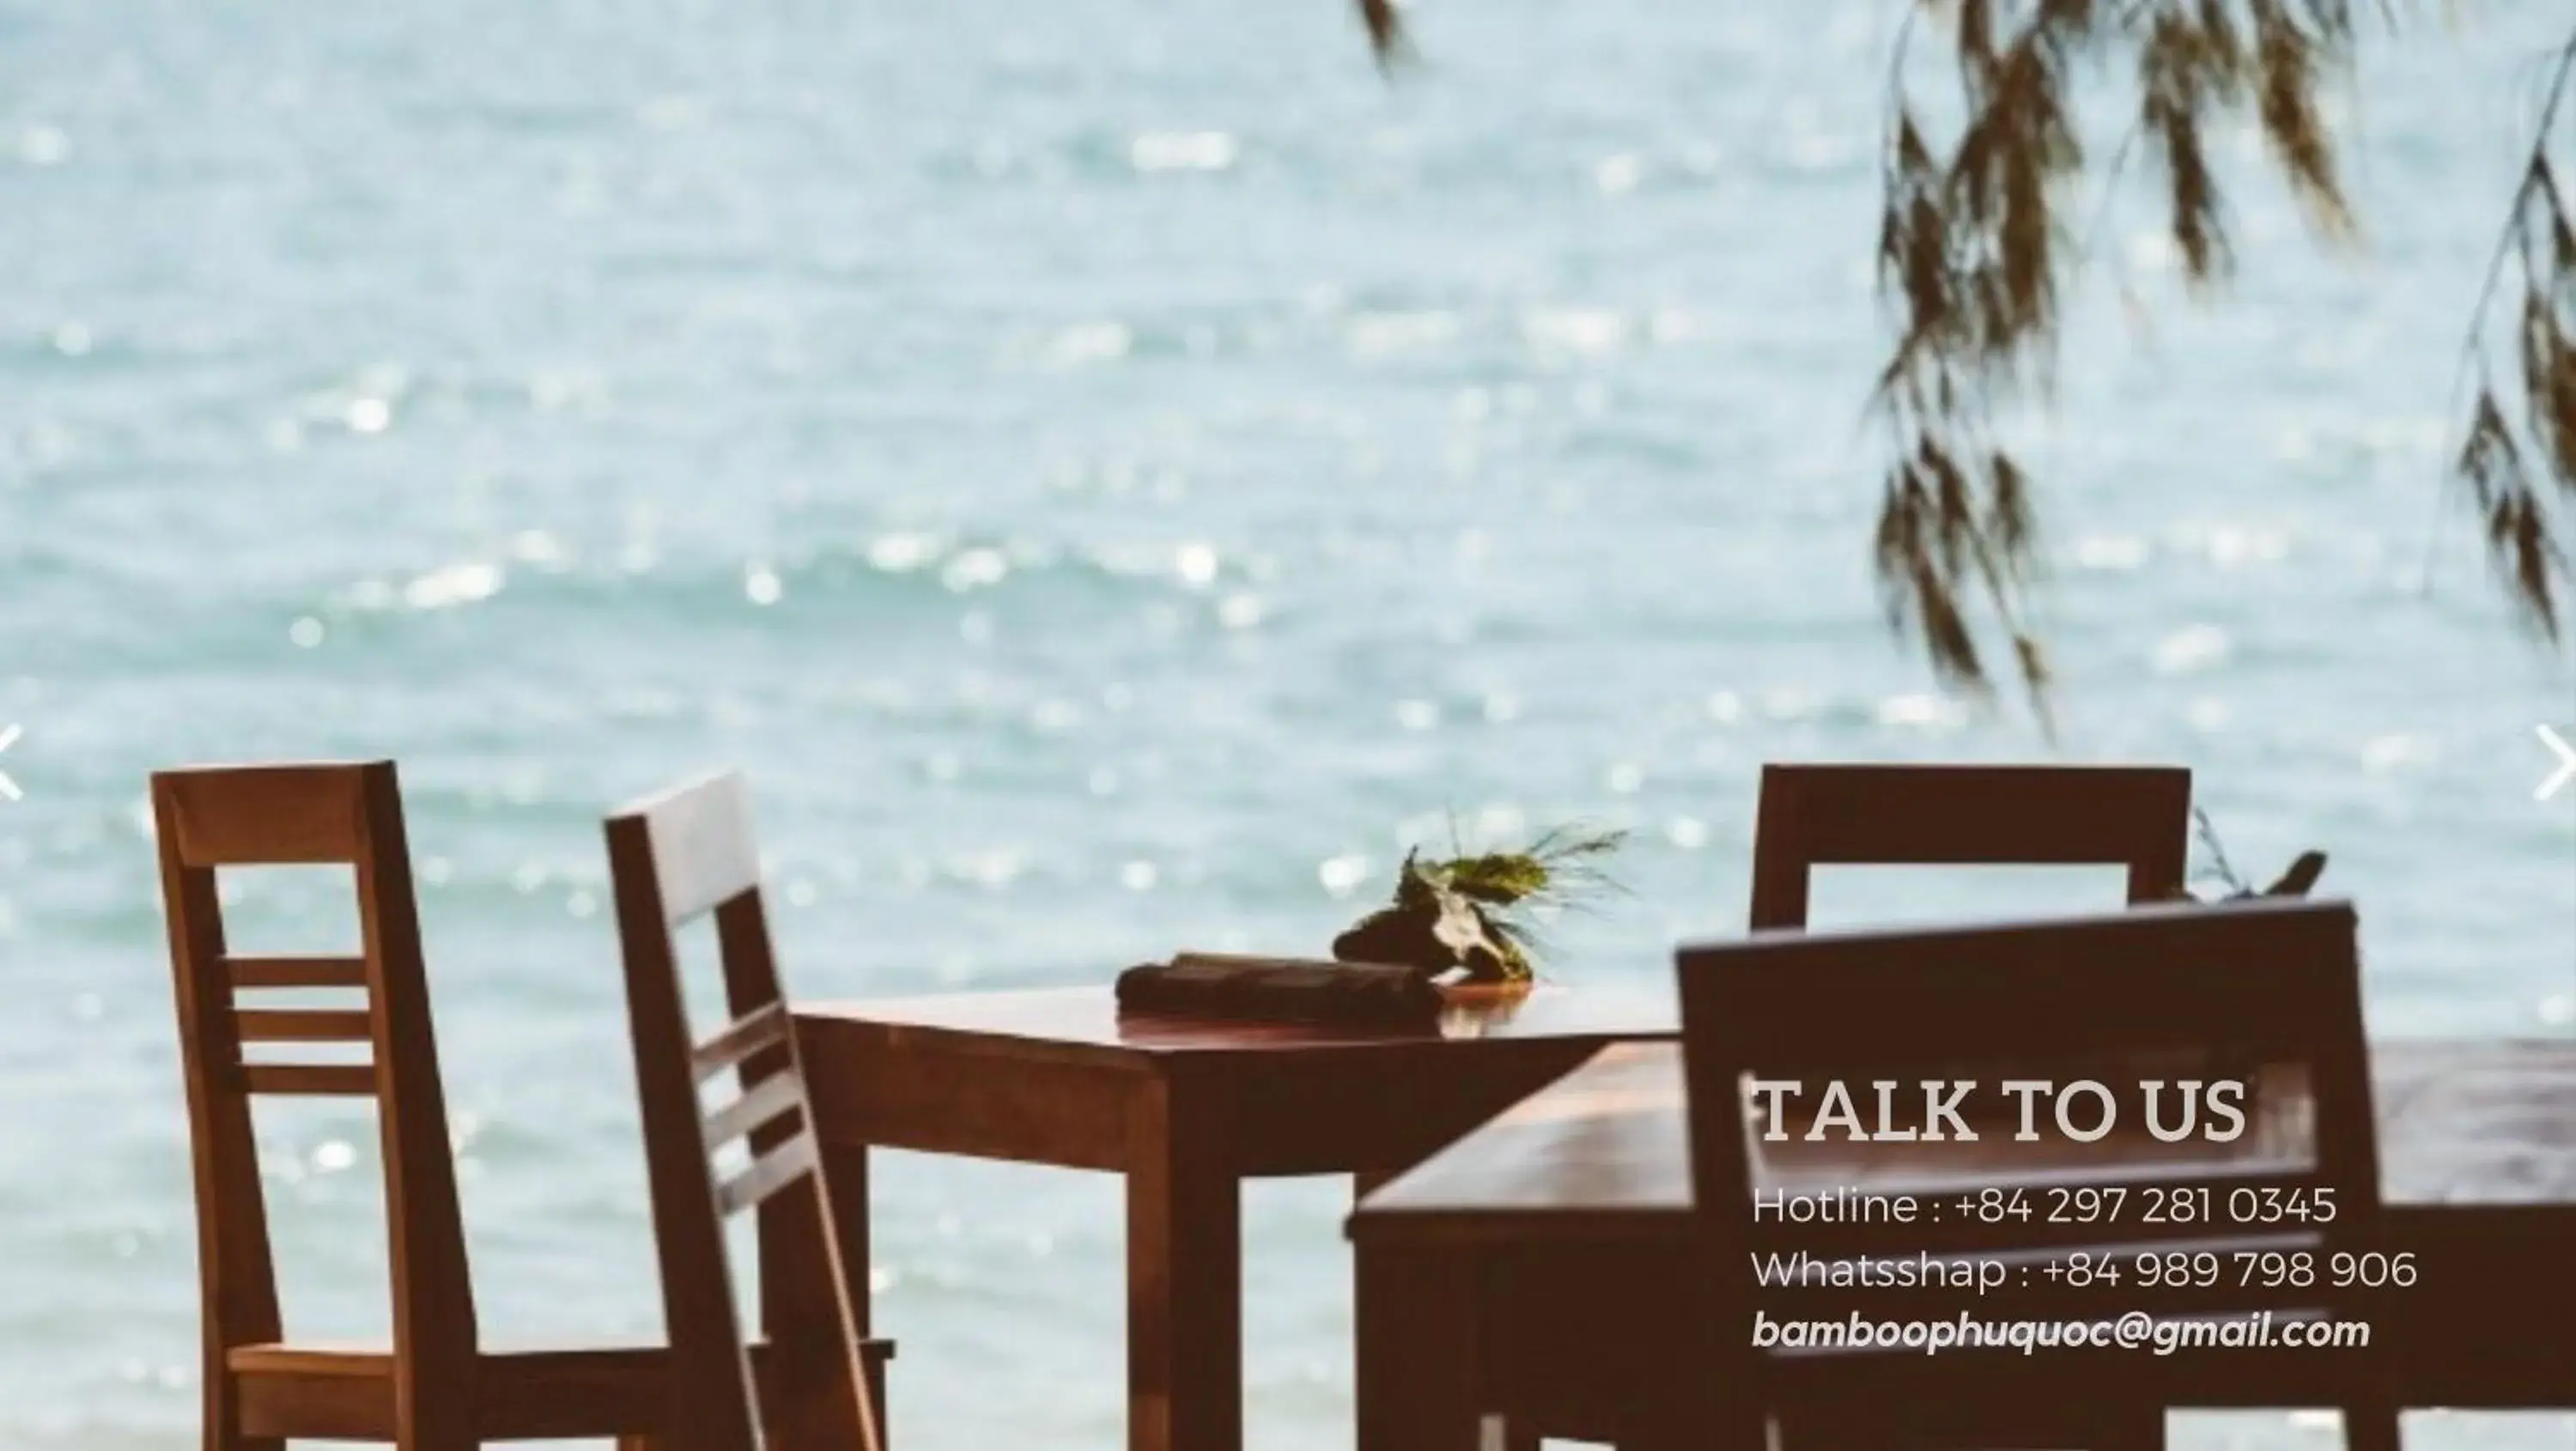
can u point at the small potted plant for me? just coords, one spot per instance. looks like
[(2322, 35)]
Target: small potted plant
[(1470, 918)]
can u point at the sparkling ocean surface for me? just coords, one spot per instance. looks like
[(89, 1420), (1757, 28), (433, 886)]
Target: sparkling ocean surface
[(1115, 474)]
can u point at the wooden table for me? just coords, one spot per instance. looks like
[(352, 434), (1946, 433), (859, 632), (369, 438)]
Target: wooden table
[(1542, 1260), (1186, 1110)]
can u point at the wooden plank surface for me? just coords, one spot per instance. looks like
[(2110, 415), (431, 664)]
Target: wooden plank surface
[(1603, 1152), (1083, 1024), (1011, 1076)]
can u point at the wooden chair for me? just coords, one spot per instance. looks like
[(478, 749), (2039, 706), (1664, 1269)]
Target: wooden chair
[(1819, 814), (1959, 815), (434, 1387), (673, 858), (2277, 981), (1832, 814)]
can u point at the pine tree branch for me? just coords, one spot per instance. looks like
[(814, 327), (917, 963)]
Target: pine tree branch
[(2536, 157)]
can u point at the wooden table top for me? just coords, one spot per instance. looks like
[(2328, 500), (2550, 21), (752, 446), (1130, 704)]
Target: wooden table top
[(1084, 1023), (1604, 1151)]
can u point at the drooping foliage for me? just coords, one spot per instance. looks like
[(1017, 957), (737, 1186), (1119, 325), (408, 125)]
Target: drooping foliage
[(2518, 458), (1975, 253)]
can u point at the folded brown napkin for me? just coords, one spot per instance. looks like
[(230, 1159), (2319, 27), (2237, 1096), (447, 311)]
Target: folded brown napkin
[(1264, 989)]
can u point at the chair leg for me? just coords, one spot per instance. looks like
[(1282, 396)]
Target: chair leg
[(2371, 1428), (2144, 1431), (222, 1414), (1684, 1420), (874, 1368), (221, 1437)]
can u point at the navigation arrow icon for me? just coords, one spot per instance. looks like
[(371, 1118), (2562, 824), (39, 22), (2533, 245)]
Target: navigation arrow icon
[(2556, 743), (9, 789)]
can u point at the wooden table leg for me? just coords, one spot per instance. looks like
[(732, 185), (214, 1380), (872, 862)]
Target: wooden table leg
[(1696, 1392), (1184, 1276), (845, 1170), (797, 1314), (1419, 1381)]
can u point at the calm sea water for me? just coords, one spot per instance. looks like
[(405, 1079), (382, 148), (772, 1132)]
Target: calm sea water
[(1116, 475)]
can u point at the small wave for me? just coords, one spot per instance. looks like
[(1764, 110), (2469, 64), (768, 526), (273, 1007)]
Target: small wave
[(41, 145), (1090, 342), (2118, 553), (463, 583), (1183, 151), (1588, 331), (2191, 649), (1385, 334), (1922, 711)]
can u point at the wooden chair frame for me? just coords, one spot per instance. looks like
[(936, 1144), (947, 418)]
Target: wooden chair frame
[(1815, 815), (434, 1387), (2277, 982), (673, 858)]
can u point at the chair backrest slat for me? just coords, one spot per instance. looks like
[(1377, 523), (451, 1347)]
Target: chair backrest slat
[(347, 815), (310, 1080), (1774, 1021), (761, 1029), (1910, 985), (267, 816), (674, 858), (1830, 814), (775, 1096), (252, 973), (304, 1025), (778, 1169), (705, 855)]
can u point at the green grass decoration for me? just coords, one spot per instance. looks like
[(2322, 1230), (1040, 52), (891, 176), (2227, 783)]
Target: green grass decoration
[(1478, 911)]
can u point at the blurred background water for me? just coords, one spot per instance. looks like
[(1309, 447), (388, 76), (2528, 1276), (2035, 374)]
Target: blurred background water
[(1116, 474)]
